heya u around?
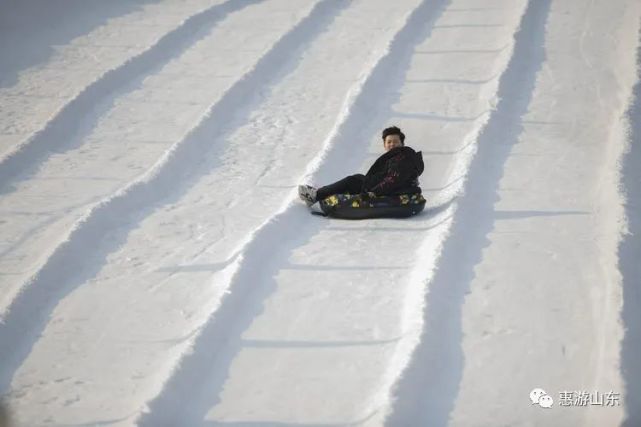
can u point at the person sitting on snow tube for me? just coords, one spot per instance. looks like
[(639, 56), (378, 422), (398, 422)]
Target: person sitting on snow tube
[(389, 189)]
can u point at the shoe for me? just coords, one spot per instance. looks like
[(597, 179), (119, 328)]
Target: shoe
[(307, 194)]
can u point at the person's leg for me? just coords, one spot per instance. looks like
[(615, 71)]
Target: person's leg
[(352, 184)]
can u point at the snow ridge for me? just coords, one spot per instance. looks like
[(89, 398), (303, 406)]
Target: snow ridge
[(59, 131), (428, 387), (629, 252), (27, 315), (203, 371)]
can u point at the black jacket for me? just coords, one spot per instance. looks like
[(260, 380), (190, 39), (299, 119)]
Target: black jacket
[(395, 172)]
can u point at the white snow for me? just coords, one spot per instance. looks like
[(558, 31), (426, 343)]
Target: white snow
[(158, 269)]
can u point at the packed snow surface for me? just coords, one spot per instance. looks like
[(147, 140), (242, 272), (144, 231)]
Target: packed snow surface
[(158, 269)]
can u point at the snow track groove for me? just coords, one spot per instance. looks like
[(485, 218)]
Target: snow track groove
[(59, 131), (27, 314), (629, 255), (428, 386), (195, 385)]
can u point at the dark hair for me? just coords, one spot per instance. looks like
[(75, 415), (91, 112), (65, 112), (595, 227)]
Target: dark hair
[(393, 130)]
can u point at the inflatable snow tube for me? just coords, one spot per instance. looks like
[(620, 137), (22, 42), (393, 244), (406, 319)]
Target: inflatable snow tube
[(350, 206)]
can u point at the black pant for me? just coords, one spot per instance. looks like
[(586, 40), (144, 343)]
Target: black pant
[(352, 184)]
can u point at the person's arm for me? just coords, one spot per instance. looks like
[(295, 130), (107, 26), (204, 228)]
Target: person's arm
[(399, 172)]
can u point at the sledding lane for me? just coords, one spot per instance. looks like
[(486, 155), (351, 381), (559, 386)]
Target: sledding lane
[(428, 388), (175, 279), (573, 137)]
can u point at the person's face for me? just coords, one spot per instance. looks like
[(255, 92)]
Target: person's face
[(392, 141)]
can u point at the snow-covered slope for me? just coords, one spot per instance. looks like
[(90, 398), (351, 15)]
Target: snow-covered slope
[(157, 268)]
